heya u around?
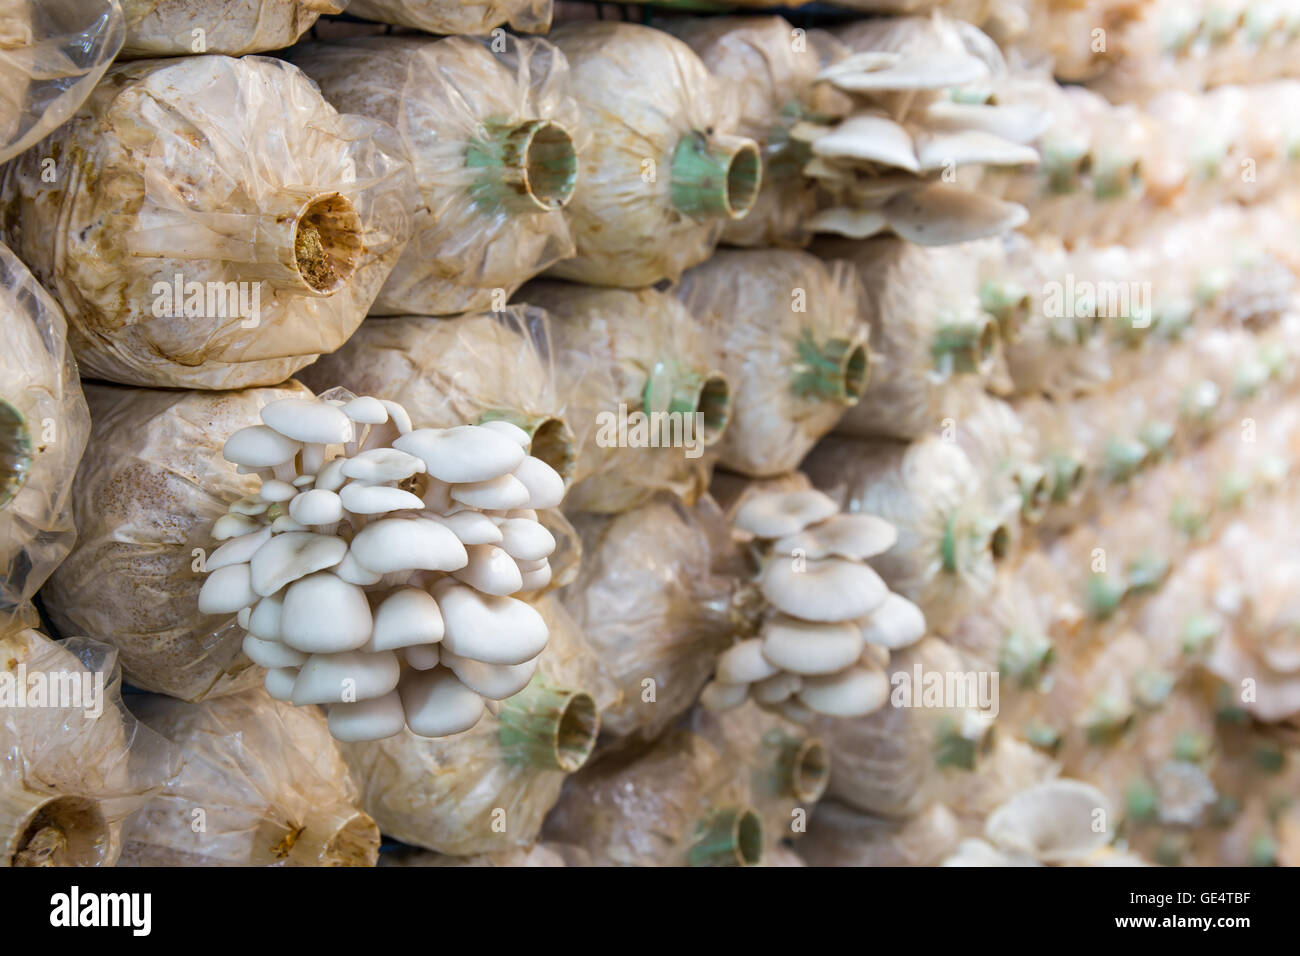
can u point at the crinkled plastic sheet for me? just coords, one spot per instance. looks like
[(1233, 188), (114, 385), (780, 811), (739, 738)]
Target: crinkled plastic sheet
[(148, 492), (52, 53), (206, 168), (458, 16), (838, 835), (449, 794), (476, 236), (235, 27), (641, 92), (43, 428), (944, 558), (466, 370), (653, 607), (927, 332), (789, 332), (72, 768), (622, 352), (260, 783)]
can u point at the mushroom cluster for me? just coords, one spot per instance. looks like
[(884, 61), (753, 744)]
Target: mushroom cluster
[(372, 572), (830, 621)]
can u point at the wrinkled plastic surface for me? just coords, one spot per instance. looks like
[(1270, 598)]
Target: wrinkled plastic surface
[(773, 318), (146, 497), (191, 168), (264, 778), (458, 16), (235, 27), (651, 605), (52, 53), (471, 246), (85, 749), (641, 90), (613, 349), (38, 381)]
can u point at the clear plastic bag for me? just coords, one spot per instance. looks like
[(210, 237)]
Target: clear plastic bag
[(237, 226), (665, 170), (73, 763), (149, 490), (52, 53), (43, 428), (470, 369), (494, 138), (625, 357), (788, 331), (458, 16), (260, 783), (186, 27)]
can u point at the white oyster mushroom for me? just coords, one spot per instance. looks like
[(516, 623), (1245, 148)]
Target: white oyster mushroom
[(226, 590), (304, 481), (1054, 822), (511, 431), (855, 692), (490, 570), (718, 696), (352, 571), (233, 526), (399, 544), (244, 616), (366, 411), (264, 622), (276, 490), (826, 589), (293, 555), (534, 575), (377, 499), (405, 618), (308, 420), (544, 484), (895, 624), (744, 663), (525, 539), (285, 523), (316, 507), (398, 416), (776, 689), (324, 614), (372, 719), (496, 494), (487, 628), (808, 648), (341, 678), (237, 550), (279, 682), (259, 446), (777, 515), (438, 704), (875, 138), (493, 681), (464, 454), (272, 653), (854, 536), (423, 657), (378, 465), (331, 477), (249, 506), (471, 527)]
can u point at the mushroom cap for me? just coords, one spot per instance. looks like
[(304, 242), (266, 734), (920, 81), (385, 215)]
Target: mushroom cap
[(272, 653), (398, 415), (525, 539), (489, 628), (316, 507), (331, 477), (226, 590), (544, 484), (350, 570), (405, 618), (895, 624), (308, 420), (373, 719), (264, 622), (471, 527), (400, 544), (851, 222), (743, 663), (464, 454), (535, 577), (237, 550), (345, 677), (496, 494), (939, 215), (807, 648), (1052, 821), (718, 696), (490, 570), (233, 525), (871, 137), (423, 657), (856, 536), (492, 681), (285, 523), (323, 614), (872, 72), (293, 555), (249, 506), (366, 410), (936, 149), (259, 446), (510, 430), (279, 682), (850, 693), (779, 514), (438, 704), (377, 465), (304, 481), (363, 499), (777, 688), (275, 490), (826, 589)]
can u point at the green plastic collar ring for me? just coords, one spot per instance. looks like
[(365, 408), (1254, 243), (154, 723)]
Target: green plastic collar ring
[(686, 392), (837, 371), (16, 450), (965, 347), (715, 177), (549, 728), (530, 166), (948, 547), (1009, 304), (732, 836)]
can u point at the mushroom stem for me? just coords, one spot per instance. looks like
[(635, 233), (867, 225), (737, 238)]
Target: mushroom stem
[(836, 371), (549, 728), (15, 452), (715, 177), (286, 471), (528, 167), (964, 347), (730, 836), (313, 456), (42, 829)]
